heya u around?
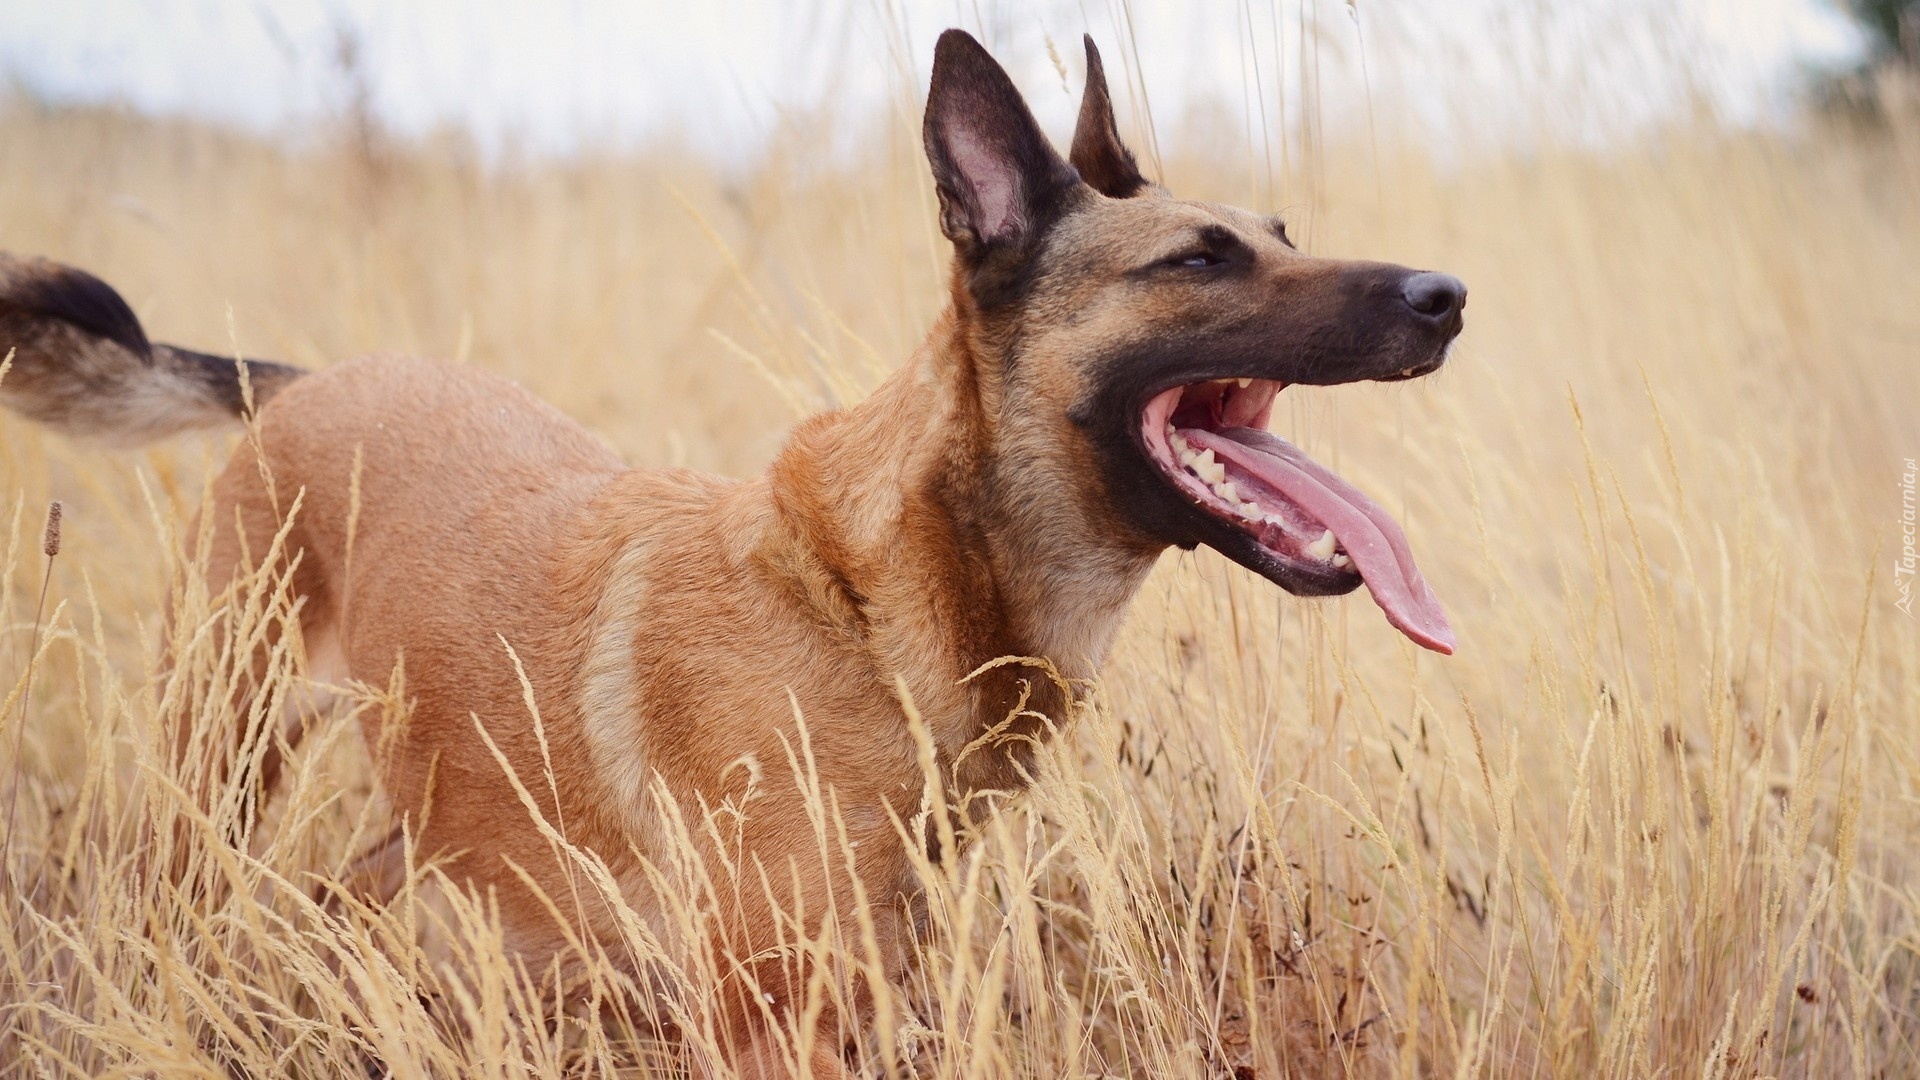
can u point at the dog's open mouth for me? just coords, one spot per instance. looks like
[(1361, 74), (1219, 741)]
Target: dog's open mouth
[(1210, 439)]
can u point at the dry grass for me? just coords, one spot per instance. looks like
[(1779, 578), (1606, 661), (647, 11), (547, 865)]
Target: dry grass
[(1655, 818)]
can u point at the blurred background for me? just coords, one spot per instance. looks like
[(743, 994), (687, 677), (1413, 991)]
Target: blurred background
[(700, 125), (724, 78), (1656, 816)]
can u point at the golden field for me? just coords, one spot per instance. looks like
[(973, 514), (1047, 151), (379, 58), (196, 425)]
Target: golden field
[(1656, 818)]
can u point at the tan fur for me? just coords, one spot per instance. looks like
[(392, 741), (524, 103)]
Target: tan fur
[(672, 624), (664, 617)]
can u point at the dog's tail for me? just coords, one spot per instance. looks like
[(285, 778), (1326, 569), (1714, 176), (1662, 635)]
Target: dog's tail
[(82, 364)]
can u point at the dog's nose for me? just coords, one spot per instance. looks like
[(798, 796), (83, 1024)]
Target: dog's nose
[(1438, 297)]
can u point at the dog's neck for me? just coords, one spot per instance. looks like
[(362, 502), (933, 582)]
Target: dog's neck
[(929, 551)]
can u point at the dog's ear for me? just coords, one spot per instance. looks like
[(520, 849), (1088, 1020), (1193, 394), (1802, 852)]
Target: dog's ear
[(1001, 184), (1104, 161)]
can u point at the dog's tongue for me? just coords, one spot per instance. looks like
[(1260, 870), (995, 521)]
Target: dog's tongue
[(1370, 537)]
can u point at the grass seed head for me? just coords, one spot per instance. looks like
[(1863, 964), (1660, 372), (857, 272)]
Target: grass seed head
[(50, 539)]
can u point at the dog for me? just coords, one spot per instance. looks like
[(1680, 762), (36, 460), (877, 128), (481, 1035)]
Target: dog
[(1096, 391)]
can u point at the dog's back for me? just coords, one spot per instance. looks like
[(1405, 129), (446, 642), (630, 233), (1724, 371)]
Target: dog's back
[(436, 517)]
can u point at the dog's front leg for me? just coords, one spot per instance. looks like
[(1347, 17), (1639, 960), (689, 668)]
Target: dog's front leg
[(761, 1058), (802, 950), (762, 1036)]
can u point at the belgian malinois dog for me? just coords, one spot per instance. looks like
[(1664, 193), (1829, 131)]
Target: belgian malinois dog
[(1096, 391)]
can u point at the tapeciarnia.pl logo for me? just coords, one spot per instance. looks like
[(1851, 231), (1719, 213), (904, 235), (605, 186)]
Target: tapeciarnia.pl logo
[(1903, 567)]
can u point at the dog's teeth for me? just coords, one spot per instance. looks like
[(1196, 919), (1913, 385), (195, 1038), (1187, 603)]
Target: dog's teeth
[(1340, 560), (1244, 383), (1178, 441), (1228, 492), (1323, 547), (1250, 511), (1406, 371)]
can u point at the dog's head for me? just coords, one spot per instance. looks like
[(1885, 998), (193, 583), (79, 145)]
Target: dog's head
[(1132, 344)]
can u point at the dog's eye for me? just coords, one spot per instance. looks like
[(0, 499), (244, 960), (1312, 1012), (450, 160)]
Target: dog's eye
[(1198, 260)]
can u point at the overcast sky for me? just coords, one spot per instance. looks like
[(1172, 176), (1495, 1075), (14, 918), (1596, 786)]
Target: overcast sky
[(549, 77)]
